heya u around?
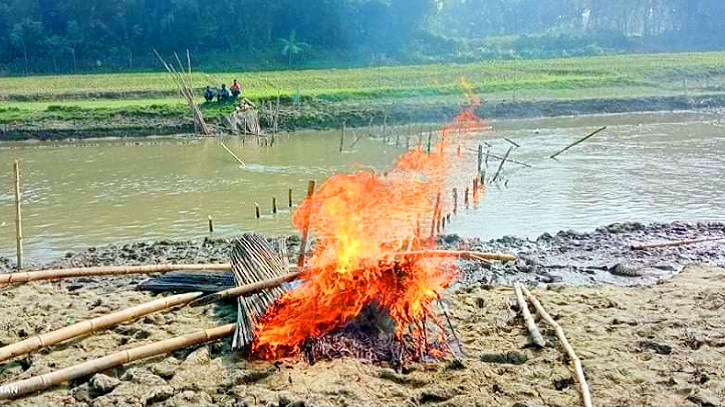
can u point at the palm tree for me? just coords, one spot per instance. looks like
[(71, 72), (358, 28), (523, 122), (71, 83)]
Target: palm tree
[(290, 46)]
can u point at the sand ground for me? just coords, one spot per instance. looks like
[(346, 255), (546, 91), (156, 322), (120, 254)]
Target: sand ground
[(657, 345)]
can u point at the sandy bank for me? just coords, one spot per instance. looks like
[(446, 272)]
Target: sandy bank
[(661, 344)]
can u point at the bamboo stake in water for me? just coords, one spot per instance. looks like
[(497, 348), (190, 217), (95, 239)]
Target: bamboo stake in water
[(385, 128), (480, 158), (18, 215), (274, 205), (436, 208), (256, 210), (90, 367), (306, 228), (579, 141), (276, 116), (289, 197), (239, 160), (498, 171), (342, 136), (465, 198), (512, 142), (455, 200), (430, 137), (211, 225)]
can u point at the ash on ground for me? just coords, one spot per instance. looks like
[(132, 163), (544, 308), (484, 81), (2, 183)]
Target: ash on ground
[(601, 256)]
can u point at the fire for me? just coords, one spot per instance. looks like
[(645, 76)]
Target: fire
[(364, 223)]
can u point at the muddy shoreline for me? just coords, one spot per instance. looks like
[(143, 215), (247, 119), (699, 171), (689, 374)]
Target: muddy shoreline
[(602, 256), (660, 344), (324, 115)]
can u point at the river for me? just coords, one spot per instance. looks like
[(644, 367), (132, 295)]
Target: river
[(647, 167)]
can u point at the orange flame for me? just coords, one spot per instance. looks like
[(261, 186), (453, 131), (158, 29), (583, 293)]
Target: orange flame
[(363, 221)]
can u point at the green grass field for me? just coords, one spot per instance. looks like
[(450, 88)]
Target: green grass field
[(618, 76)]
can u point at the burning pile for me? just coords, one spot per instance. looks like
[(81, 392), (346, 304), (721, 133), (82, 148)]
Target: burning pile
[(370, 230)]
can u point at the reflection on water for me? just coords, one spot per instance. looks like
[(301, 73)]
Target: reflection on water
[(644, 167)]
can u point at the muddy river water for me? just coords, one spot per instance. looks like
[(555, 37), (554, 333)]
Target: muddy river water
[(649, 167)]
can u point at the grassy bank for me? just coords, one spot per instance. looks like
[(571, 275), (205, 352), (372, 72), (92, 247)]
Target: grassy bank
[(326, 97)]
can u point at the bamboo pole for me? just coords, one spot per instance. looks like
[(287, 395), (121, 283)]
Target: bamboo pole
[(498, 157), (93, 325), (430, 137), (498, 171), (90, 367), (289, 197), (57, 274), (530, 324), (436, 208), (385, 128), (342, 136), (239, 160), (18, 215), (579, 141), (463, 254), (245, 289), (276, 117), (306, 228), (465, 198), (512, 142), (455, 200), (256, 210), (211, 225), (480, 158), (577, 364), (675, 243), (274, 205)]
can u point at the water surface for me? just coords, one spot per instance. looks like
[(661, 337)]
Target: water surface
[(644, 167)]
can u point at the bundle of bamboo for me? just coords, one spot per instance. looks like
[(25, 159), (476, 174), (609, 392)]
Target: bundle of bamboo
[(253, 260), (183, 81)]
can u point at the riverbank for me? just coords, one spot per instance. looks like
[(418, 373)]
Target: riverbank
[(654, 344), (126, 105)]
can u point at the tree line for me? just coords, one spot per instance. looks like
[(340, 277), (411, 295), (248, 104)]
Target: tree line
[(87, 35)]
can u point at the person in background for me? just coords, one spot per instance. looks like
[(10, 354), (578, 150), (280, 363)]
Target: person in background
[(223, 94), (209, 94), (235, 89)]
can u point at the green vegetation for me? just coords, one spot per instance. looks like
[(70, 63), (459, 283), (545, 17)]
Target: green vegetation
[(62, 36), (326, 96)]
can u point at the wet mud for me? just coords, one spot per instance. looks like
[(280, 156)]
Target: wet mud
[(601, 256), (657, 343)]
